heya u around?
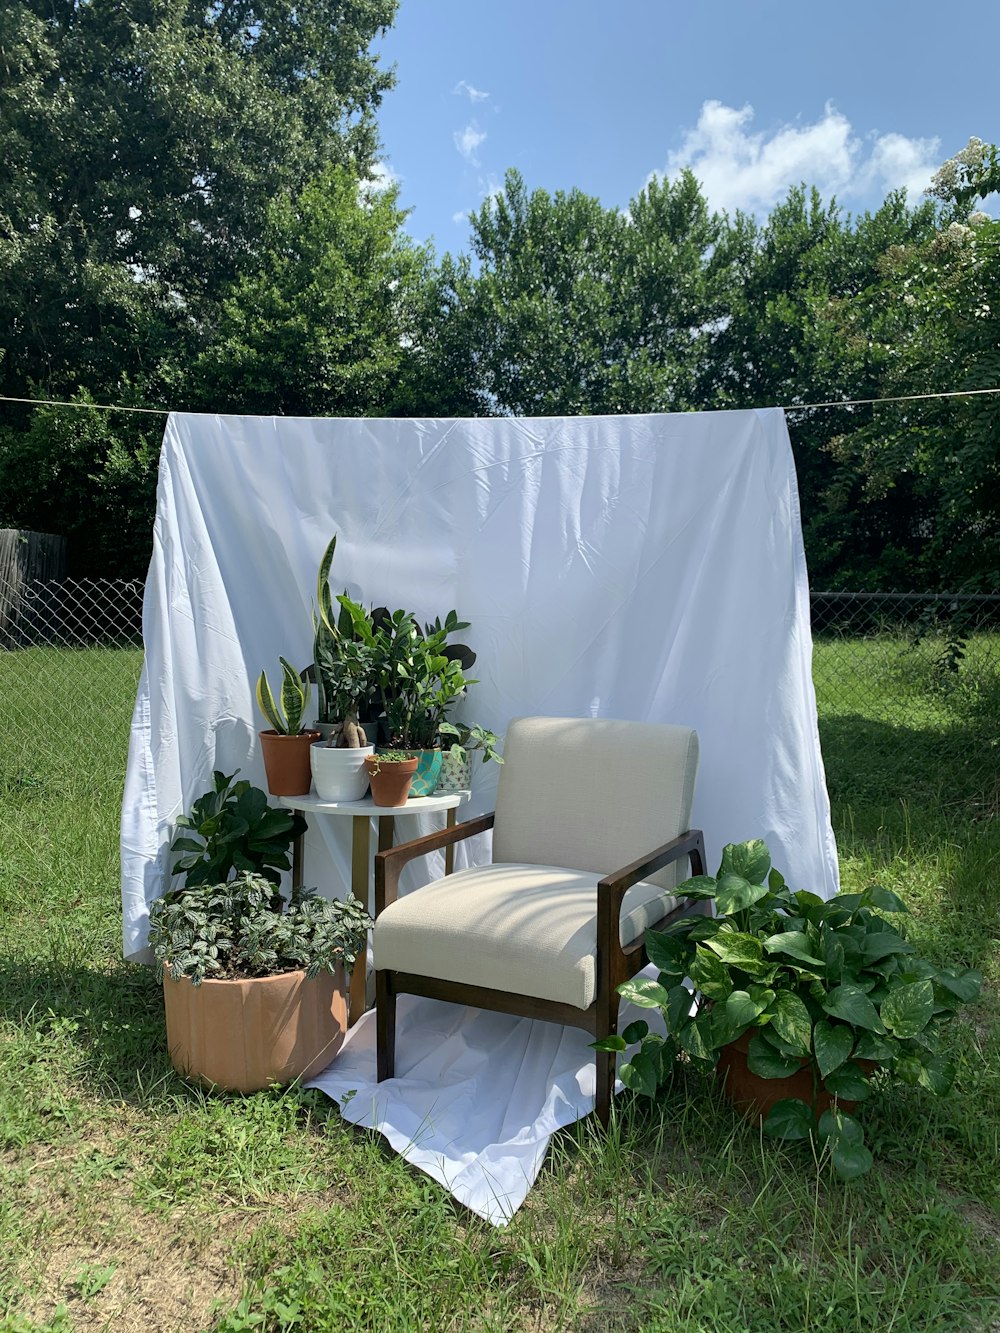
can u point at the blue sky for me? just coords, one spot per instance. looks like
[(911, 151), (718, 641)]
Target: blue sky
[(755, 95)]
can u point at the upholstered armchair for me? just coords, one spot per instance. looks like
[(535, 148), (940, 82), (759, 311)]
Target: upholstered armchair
[(590, 837)]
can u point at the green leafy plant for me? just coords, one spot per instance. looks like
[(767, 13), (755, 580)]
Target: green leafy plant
[(829, 985), (375, 761), (344, 661), (473, 739), (285, 717), (244, 928), (231, 830), (420, 675)]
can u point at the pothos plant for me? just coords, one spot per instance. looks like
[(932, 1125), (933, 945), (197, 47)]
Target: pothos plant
[(831, 985)]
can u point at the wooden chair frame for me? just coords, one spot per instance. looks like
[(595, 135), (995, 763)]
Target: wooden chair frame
[(615, 964)]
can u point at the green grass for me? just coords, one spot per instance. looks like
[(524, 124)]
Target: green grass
[(130, 1201)]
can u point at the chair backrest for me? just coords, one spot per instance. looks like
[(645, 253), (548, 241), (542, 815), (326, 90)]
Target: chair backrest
[(592, 794)]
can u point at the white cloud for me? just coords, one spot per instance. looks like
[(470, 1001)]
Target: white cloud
[(462, 88), (467, 142), (461, 216), (739, 168), (380, 177)]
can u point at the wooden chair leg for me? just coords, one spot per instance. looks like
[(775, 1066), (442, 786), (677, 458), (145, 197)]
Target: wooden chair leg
[(385, 1026)]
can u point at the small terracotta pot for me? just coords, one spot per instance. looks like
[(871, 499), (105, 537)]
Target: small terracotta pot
[(286, 762), (390, 783), (756, 1096), (244, 1035)]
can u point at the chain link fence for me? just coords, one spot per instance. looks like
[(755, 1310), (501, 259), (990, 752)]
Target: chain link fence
[(911, 681)]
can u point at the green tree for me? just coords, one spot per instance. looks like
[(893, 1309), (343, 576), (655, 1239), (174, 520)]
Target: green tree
[(143, 144), (930, 322), (322, 322), (571, 307), (783, 343)]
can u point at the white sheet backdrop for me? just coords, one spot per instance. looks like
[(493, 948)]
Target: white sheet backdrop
[(646, 567)]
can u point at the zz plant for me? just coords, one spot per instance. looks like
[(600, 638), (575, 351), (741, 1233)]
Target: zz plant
[(244, 928), (830, 985)]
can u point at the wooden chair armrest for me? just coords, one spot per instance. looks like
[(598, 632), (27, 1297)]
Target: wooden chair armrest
[(617, 884), (389, 864)]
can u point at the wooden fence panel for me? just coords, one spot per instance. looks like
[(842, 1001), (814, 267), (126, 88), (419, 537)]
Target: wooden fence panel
[(26, 558)]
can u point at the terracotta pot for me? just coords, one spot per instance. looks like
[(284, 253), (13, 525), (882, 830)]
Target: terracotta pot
[(244, 1035), (286, 762), (390, 783), (755, 1095)]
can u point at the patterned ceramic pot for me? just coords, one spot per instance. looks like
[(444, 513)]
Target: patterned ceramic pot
[(456, 771)]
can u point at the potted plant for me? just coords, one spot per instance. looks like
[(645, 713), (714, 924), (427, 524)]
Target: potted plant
[(343, 666), (456, 761), (285, 746), (254, 987), (232, 829), (421, 677), (391, 774), (338, 762), (787, 986)]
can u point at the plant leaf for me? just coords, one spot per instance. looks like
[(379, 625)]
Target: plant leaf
[(884, 899), (851, 1004), (881, 944), (641, 1074), (734, 893), (790, 1020), (612, 1043), (645, 993), (789, 1119), (764, 1061), (741, 1010), (848, 1082), (710, 975), (636, 1031), (908, 1009), (832, 1044), (750, 860), (743, 951), (937, 1075), (796, 944), (965, 985)]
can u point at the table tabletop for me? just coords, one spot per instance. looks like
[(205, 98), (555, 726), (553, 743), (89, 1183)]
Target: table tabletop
[(415, 805)]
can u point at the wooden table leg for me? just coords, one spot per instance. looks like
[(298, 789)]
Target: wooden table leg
[(386, 832), (360, 845), (449, 852)]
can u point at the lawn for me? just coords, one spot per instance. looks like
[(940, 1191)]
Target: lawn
[(130, 1201)]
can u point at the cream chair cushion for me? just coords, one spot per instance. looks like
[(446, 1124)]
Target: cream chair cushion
[(528, 929)]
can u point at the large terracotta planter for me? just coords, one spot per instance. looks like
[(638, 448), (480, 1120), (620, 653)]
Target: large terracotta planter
[(286, 762), (755, 1095), (245, 1035), (390, 783)]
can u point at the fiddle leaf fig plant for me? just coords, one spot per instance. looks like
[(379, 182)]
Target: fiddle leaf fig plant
[(244, 928), (832, 986), (231, 830)]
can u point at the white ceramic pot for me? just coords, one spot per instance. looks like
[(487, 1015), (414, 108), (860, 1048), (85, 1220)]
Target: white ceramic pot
[(339, 775)]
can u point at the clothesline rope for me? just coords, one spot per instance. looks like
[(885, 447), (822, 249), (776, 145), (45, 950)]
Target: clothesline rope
[(785, 407)]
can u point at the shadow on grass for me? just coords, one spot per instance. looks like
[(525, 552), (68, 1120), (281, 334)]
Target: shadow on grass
[(114, 1018), (920, 804)]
